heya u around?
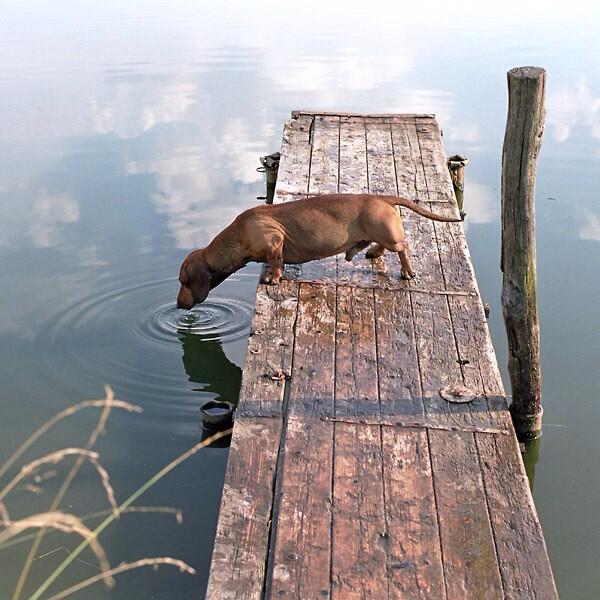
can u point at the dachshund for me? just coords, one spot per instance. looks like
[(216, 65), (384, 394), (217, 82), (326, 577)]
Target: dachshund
[(298, 232)]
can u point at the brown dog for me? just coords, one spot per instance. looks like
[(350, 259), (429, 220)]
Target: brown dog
[(297, 232)]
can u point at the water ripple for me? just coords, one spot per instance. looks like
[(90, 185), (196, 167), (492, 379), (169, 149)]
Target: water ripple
[(132, 336)]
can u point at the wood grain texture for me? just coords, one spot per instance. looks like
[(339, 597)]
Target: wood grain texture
[(370, 116), (409, 166), (413, 541), (241, 544), (349, 476), (269, 353), (522, 142), (523, 558), (469, 554), (354, 179), (324, 178), (437, 176), (294, 164), (380, 159), (358, 568), (301, 558), (356, 389)]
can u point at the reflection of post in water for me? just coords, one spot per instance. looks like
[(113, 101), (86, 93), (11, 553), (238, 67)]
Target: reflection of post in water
[(531, 456), (206, 364)]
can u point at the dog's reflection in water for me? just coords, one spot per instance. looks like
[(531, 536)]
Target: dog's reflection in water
[(207, 365)]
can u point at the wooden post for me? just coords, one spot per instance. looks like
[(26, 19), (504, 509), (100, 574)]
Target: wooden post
[(270, 166), (522, 141), (456, 165)]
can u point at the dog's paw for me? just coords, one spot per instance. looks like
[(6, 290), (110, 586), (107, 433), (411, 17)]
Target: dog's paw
[(405, 274)]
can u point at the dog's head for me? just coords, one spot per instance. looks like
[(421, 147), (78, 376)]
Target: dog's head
[(195, 280)]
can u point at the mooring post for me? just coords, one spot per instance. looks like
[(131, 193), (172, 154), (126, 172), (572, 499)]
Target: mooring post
[(270, 166), (456, 166), (522, 141)]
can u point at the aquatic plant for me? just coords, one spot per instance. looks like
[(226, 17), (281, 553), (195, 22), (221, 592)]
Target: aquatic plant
[(14, 532)]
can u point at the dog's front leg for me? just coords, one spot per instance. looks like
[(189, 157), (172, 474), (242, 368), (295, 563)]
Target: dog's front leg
[(272, 274)]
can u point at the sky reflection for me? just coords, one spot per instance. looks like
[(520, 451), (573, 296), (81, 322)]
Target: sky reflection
[(131, 132)]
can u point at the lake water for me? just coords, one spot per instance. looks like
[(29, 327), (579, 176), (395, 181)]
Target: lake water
[(130, 133)]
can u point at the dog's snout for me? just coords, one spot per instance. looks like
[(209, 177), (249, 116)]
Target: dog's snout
[(185, 299)]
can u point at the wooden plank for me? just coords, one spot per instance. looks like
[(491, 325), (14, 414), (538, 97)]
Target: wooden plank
[(354, 179), (470, 564), (380, 159), (409, 167), (297, 113), (294, 164), (353, 158), (324, 166), (269, 353), (382, 180), (356, 390), (324, 174), (241, 543), (300, 563), (469, 553), (358, 568), (454, 255), (437, 176), (522, 553), (361, 505), (413, 540)]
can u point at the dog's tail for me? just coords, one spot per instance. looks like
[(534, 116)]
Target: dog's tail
[(399, 201)]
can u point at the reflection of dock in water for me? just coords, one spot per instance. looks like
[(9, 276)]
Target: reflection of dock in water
[(373, 453)]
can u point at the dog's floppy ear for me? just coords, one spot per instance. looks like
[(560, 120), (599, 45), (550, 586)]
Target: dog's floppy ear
[(196, 276)]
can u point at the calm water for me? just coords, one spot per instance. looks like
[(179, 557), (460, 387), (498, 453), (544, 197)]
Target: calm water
[(130, 133)]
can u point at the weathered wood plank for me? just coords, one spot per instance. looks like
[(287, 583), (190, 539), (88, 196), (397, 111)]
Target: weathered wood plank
[(239, 555), (241, 543), (382, 180), (324, 178), (358, 568), (294, 164), (269, 353), (356, 390), (437, 176), (454, 256), (412, 541), (523, 558), (394, 116), (380, 159), (363, 504), (407, 156), (301, 558), (354, 179), (324, 165), (353, 158), (470, 564)]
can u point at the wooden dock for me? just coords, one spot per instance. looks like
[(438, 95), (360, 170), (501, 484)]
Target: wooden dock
[(351, 474)]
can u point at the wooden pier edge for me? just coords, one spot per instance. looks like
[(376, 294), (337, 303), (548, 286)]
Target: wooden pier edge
[(349, 474)]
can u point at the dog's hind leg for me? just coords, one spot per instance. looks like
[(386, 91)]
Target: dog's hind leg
[(354, 250), (375, 251), (389, 235), (406, 270)]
